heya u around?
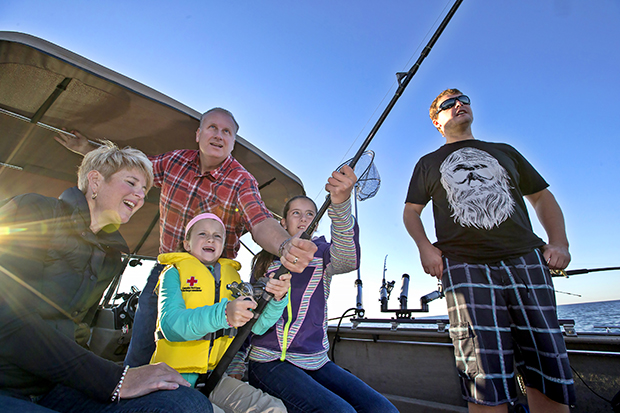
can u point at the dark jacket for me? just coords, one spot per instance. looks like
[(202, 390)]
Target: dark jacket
[(47, 244)]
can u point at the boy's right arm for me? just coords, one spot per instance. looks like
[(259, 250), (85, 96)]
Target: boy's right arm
[(429, 254)]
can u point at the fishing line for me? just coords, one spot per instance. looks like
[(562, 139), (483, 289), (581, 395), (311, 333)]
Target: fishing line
[(388, 92), (588, 387), (206, 383), (426, 36), (333, 358), (564, 292), (36, 292)]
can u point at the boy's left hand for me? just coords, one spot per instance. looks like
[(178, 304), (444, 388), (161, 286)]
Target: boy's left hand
[(279, 287), (239, 311), (340, 184)]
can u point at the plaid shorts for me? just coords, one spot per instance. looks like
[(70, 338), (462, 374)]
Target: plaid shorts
[(504, 315)]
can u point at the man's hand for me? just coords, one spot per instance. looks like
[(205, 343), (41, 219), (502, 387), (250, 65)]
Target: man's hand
[(551, 218), (77, 143), (298, 253), (238, 311), (430, 256), (431, 259), (147, 379), (557, 256), (279, 287), (340, 184)]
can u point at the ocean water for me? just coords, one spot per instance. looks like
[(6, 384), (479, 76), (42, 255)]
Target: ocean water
[(588, 316), (598, 316)]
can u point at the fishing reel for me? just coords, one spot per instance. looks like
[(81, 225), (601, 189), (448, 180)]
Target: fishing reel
[(245, 289), (404, 311), (384, 293), (558, 273)]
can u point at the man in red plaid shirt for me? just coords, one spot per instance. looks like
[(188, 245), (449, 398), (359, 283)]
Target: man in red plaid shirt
[(205, 180)]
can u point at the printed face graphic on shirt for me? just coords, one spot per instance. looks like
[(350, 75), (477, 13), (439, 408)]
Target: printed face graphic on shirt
[(478, 188)]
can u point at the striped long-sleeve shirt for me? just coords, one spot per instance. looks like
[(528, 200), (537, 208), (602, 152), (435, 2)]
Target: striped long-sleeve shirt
[(306, 337)]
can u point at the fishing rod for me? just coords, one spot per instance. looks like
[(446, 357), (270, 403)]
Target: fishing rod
[(403, 312), (386, 288), (243, 332), (359, 285), (567, 273)]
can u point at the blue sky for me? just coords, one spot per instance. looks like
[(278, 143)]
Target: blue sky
[(307, 81)]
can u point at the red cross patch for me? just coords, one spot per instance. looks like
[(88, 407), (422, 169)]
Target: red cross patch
[(191, 281)]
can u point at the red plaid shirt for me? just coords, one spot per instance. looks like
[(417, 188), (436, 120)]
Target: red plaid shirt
[(229, 191)]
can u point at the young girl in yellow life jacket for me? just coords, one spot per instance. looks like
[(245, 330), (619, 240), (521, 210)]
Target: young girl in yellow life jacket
[(197, 315)]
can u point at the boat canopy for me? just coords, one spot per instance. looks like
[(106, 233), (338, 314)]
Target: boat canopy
[(44, 87)]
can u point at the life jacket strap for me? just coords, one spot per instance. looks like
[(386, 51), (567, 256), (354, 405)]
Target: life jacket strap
[(230, 332)]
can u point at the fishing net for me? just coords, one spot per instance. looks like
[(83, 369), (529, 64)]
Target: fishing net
[(368, 179)]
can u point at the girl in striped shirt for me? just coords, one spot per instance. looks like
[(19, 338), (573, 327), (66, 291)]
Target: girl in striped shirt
[(290, 360)]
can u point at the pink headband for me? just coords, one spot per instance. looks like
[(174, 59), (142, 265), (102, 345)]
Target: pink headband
[(200, 217)]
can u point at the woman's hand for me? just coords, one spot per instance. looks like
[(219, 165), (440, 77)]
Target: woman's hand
[(149, 378)]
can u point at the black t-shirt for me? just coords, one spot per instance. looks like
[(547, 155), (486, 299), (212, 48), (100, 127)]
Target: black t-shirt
[(477, 190)]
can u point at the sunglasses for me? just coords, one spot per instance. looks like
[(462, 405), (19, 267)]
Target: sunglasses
[(449, 103)]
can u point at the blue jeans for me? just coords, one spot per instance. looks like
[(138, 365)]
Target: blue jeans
[(142, 344), (67, 400), (328, 389)]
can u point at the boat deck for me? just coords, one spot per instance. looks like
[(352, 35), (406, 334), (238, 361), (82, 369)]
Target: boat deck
[(414, 368)]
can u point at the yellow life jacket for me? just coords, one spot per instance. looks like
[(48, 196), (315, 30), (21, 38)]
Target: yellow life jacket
[(198, 289)]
